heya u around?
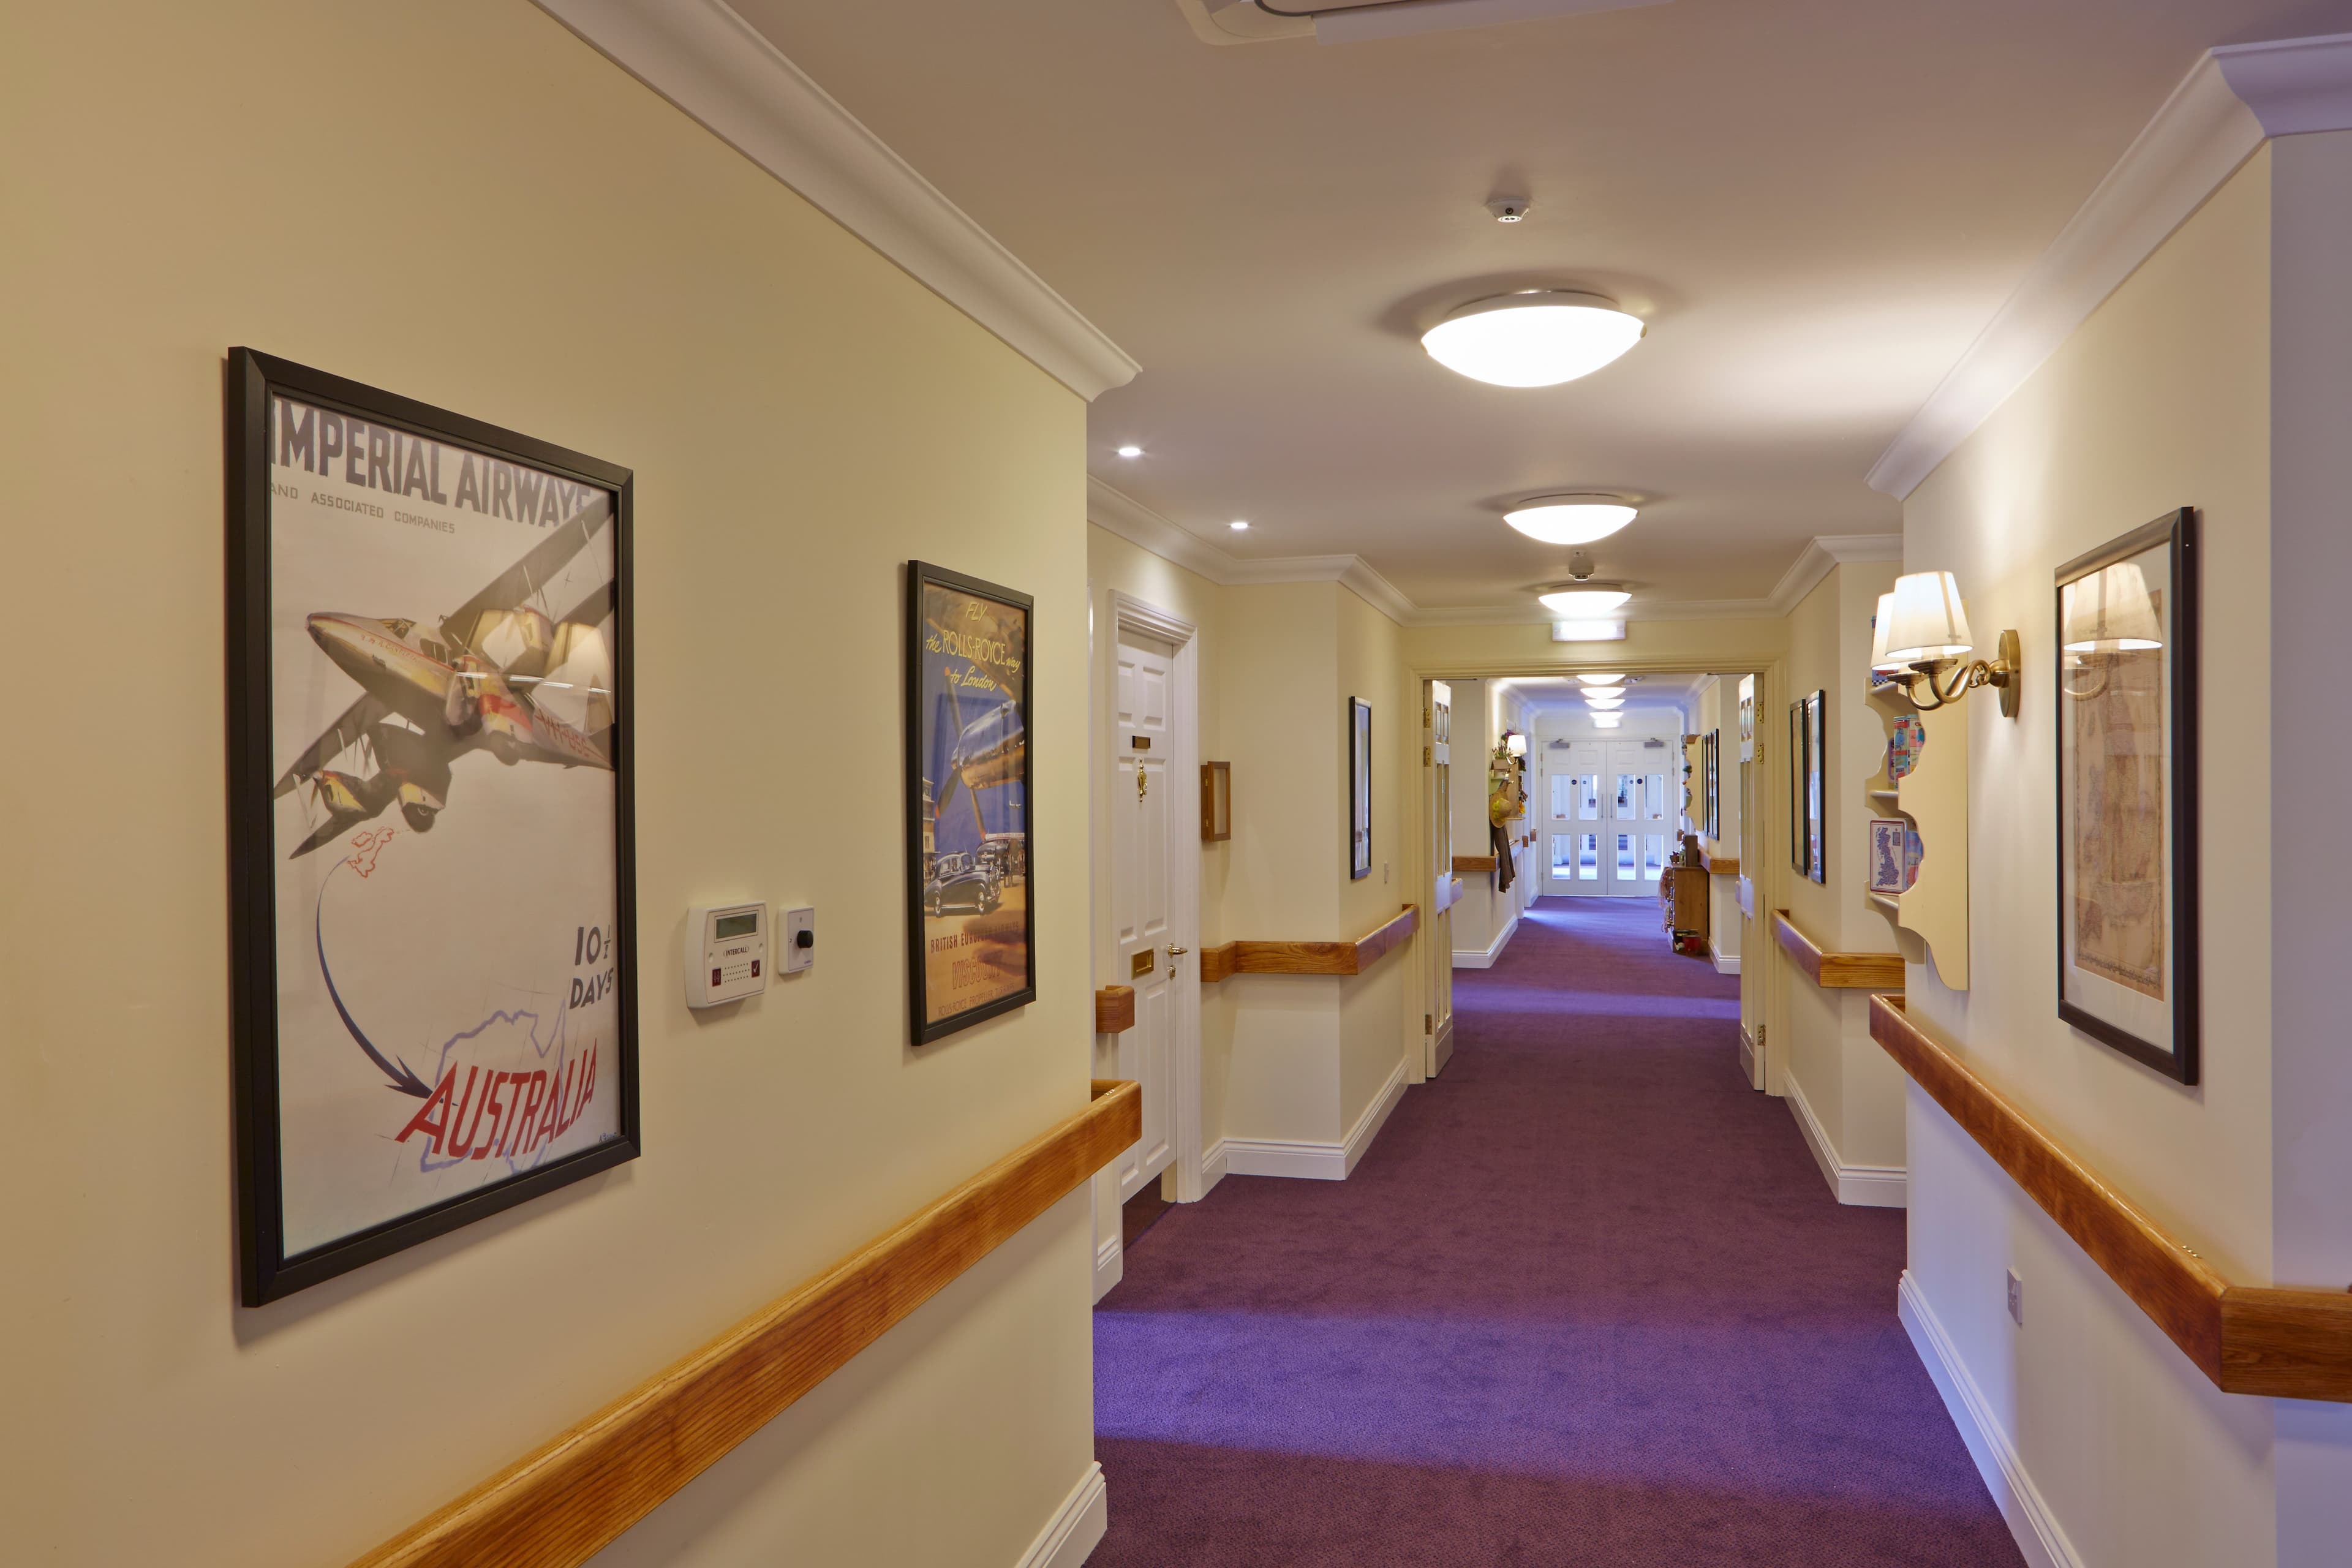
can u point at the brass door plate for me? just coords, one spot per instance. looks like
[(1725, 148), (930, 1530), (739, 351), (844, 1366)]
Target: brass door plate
[(1143, 962)]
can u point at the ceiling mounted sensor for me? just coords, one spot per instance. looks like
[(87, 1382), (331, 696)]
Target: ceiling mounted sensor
[(1570, 518), (1541, 337), (1352, 21)]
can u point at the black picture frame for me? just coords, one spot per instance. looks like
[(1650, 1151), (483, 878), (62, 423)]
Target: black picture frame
[(1799, 839), (266, 1271), (1817, 836), (2174, 535), (1359, 789), (1714, 813), (955, 897)]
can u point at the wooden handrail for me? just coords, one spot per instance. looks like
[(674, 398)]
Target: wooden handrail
[(1114, 1009), (1307, 957), (1837, 971), (2248, 1338), (1718, 865), (560, 1506), (1474, 862)]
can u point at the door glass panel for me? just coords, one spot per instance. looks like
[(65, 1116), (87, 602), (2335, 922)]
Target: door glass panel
[(1563, 790), (1625, 855), (1626, 784), (1588, 858), (1561, 844), (1657, 798), (1587, 798), (1654, 856)]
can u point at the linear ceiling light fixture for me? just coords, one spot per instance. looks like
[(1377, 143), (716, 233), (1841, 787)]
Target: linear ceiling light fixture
[(1570, 518), (1538, 338)]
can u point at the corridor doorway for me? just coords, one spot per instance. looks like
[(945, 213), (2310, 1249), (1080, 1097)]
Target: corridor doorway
[(1610, 815)]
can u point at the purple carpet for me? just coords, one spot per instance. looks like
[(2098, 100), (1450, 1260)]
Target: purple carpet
[(1587, 1301)]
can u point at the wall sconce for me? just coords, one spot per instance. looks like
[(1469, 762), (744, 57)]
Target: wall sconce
[(2102, 615), (1516, 743), (1922, 640)]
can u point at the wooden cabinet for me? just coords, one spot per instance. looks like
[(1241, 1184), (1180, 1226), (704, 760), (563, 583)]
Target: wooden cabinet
[(1683, 901)]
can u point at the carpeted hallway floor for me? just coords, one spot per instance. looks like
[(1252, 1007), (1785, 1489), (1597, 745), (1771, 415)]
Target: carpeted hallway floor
[(1586, 1302)]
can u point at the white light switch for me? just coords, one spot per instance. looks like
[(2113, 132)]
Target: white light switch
[(800, 941)]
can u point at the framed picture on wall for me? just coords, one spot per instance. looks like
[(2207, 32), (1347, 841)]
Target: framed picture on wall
[(1801, 840), (1359, 789), (2127, 682), (1747, 718), (971, 931), (1713, 753), (430, 820), (1816, 798)]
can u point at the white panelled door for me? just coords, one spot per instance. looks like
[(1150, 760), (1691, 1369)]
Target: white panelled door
[(1569, 808), (1142, 882), (1438, 1027)]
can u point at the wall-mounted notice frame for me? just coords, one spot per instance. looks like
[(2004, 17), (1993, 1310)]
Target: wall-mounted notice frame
[(2127, 721), (1359, 789), (971, 928), (430, 820), (1216, 802)]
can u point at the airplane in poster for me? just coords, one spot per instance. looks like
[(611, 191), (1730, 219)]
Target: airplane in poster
[(477, 682)]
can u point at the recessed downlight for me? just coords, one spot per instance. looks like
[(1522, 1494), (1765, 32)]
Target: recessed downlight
[(1538, 338), (1130, 451), (1570, 518), (1583, 603), (1239, 525)]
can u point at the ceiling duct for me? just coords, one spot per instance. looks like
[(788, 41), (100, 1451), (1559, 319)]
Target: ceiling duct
[(1348, 21)]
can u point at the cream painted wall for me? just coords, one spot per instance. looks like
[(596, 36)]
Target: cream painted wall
[(1822, 1041), (1381, 1008), (462, 203), (2163, 398)]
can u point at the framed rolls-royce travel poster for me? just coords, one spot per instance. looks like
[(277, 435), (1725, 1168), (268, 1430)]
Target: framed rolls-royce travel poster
[(429, 705), (2126, 714), (971, 931)]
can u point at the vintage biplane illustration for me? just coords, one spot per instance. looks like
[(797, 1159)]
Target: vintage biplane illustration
[(987, 754), (480, 681)]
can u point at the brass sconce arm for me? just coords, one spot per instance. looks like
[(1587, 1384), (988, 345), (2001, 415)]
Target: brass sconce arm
[(1945, 681)]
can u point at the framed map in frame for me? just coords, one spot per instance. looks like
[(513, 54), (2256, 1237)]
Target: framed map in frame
[(2126, 683)]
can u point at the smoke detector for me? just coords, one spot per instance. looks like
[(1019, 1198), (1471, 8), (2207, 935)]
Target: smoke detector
[(1508, 209)]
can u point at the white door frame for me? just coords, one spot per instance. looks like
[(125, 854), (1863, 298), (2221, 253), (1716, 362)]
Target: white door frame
[(1129, 613)]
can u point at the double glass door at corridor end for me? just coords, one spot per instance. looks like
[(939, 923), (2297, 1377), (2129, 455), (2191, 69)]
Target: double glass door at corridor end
[(1609, 815)]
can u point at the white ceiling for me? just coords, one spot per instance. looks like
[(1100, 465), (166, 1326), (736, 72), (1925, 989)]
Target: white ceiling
[(1815, 204)]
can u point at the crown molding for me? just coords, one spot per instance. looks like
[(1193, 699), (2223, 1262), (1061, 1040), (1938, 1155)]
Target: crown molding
[(721, 72), (2295, 84), (2197, 139), (1114, 511)]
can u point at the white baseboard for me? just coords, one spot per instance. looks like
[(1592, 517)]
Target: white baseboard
[(1076, 1528), (1214, 1167), (1746, 1054), (1865, 1186), (1111, 1264), (1722, 964), (2035, 1528), (1483, 957), (1316, 1162)]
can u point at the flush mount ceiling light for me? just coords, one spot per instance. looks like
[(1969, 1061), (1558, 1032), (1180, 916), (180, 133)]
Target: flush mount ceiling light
[(1570, 518), (1539, 338), (1605, 703), (1583, 603), (1611, 679)]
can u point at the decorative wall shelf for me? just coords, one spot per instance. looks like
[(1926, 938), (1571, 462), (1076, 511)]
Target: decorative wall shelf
[(1931, 917)]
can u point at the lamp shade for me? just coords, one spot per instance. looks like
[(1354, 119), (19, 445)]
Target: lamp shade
[(1878, 628), (1540, 338), (1569, 520), (2110, 612), (1517, 745), (1924, 621), (1584, 603)]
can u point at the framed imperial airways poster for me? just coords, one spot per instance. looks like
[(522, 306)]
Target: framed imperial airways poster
[(971, 931), (2127, 682), (429, 706)]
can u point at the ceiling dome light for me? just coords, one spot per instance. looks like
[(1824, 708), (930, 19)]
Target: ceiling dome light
[(1614, 677), (1540, 338), (1605, 703), (1570, 518), (1583, 603)]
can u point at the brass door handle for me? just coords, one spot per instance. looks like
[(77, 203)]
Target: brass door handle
[(1177, 951)]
